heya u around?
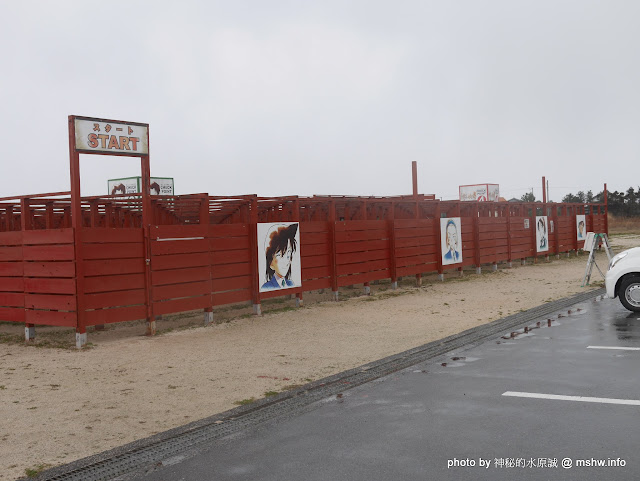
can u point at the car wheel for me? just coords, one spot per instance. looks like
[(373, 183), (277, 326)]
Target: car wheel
[(630, 293)]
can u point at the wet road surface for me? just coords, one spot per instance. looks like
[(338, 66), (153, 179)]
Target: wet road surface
[(521, 406)]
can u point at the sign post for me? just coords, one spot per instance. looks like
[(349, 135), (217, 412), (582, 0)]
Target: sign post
[(88, 135)]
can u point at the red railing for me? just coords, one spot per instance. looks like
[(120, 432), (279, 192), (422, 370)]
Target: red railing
[(201, 250)]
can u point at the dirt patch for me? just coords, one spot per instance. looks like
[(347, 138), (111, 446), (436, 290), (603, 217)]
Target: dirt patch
[(59, 404)]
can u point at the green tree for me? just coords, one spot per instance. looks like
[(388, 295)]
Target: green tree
[(589, 197), (570, 198), (528, 197)]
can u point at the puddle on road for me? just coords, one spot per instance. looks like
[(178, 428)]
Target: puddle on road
[(458, 361)]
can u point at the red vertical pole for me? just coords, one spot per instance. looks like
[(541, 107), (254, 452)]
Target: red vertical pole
[(606, 210), (417, 217), (332, 240), (392, 246), (556, 234), (204, 220), (533, 225), (76, 224), (66, 217), (146, 232), (414, 176), (438, 239), (253, 255), (49, 220), (367, 288), (95, 222), (25, 224), (25, 214), (476, 236), (295, 217), (108, 215), (545, 212), (10, 219), (458, 211), (574, 227), (509, 237)]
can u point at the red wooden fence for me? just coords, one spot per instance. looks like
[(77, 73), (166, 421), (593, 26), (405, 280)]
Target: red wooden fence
[(201, 250)]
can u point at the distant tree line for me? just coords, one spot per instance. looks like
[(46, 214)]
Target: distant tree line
[(625, 204)]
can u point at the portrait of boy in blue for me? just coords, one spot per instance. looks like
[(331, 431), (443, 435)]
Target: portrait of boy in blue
[(450, 241)]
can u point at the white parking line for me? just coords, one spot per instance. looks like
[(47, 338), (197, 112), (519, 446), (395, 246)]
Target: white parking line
[(603, 400), (615, 347)]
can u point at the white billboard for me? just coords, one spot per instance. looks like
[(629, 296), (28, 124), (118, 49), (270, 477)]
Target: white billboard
[(480, 192), (108, 137)]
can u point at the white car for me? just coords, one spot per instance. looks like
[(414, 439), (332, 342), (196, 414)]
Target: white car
[(623, 278)]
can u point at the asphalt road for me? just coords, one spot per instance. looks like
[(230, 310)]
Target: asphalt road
[(449, 418)]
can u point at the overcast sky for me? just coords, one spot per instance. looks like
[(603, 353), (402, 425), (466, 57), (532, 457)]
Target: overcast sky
[(328, 97)]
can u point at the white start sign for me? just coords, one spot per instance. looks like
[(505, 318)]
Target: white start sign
[(109, 137)]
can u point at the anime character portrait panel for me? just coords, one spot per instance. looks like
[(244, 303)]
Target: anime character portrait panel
[(581, 227), (451, 240), (542, 233), (279, 256)]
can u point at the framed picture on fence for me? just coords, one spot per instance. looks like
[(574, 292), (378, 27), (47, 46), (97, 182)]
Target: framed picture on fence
[(451, 240), (581, 227), (542, 233), (279, 256)]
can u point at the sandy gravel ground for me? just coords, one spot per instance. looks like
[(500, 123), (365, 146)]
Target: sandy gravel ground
[(59, 405)]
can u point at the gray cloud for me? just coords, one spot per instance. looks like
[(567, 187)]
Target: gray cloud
[(281, 98)]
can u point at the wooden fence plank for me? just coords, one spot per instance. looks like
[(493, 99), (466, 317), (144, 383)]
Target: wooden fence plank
[(49, 269)]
